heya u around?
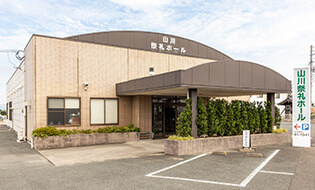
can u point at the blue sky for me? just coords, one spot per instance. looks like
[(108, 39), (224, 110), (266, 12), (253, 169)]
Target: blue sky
[(274, 33)]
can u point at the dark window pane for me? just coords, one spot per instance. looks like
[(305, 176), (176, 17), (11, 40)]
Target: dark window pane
[(73, 116), (55, 118)]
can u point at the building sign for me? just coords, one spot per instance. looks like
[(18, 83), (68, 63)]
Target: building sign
[(168, 44), (301, 126), (246, 139)]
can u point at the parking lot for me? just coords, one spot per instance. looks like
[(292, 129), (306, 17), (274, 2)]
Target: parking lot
[(282, 167)]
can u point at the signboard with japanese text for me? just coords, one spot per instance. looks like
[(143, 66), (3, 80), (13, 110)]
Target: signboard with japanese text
[(246, 139), (168, 44), (301, 126)]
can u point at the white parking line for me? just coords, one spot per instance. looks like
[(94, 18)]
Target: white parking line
[(242, 184), (250, 177), (282, 173), (196, 180), (173, 166)]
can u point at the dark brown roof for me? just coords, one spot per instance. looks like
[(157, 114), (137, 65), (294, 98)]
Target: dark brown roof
[(222, 78), (142, 40), (287, 101)]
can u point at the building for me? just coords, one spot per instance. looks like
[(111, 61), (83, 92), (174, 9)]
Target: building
[(279, 97), (117, 78)]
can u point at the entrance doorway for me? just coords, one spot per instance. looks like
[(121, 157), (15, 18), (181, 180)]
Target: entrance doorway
[(165, 111)]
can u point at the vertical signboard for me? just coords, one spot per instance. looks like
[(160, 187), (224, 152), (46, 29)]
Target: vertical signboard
[(301, 125), (246, 139)]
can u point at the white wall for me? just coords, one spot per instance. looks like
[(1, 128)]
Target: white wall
[(255, 98), (15, 94)]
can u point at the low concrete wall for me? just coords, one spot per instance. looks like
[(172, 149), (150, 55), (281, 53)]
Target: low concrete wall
[(82, 140), (199, 146)]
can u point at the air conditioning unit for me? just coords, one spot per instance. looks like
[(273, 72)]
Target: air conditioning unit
[(20, 136)]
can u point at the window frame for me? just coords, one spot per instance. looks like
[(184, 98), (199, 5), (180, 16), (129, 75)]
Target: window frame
[(64, 110), (104, 111)]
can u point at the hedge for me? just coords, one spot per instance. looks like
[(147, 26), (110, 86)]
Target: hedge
[(52, 131), (222, 118)]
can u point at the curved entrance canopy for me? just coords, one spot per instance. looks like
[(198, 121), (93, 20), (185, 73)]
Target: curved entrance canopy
[(221, 78)]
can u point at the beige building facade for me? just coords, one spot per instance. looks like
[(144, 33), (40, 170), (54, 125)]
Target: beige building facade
[(72, 82)]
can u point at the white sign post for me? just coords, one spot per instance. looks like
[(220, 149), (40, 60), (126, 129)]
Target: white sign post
[(301, 126), (246, 139)]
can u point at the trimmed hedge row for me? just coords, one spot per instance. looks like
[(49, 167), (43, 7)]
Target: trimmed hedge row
[(52, 131), (223, 118)]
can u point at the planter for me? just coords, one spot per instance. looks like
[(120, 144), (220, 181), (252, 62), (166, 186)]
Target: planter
[(199, 146), (82, 140)]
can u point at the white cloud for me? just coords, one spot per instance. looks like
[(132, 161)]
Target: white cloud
[(276, 34)]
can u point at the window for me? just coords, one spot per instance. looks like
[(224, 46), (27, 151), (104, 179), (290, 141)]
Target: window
[(10, 111), (277, 95), (104, 111), (64, 111)]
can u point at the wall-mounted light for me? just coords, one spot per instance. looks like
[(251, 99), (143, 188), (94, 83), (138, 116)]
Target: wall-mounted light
[(86, 84)]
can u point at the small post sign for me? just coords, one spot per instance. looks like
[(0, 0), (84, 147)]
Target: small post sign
[(301, 126), (246, 139)]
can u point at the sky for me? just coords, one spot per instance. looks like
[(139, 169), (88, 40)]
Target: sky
[(274, 33)]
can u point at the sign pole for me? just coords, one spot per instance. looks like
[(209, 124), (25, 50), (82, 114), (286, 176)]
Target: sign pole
[(301, 123)]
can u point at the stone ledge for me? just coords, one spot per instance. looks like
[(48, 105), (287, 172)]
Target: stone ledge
[(205, 145), (82, 140)]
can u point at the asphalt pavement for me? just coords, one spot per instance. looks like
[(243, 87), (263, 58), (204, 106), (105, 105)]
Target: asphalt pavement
[(282, 167)]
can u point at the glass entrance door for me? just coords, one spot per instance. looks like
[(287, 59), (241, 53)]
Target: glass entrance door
[(158, 120), (170, 120), (165, 111)]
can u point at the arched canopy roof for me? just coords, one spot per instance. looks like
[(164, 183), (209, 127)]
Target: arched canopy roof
[(222, 78), (150, 41)]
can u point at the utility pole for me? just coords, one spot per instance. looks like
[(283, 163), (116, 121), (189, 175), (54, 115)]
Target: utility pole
[(311, 74)]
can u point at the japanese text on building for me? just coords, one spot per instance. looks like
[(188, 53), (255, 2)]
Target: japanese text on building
[(168, 44)]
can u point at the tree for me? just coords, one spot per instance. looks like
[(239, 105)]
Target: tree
[(211, 117), (183, 127), (201, 119), (277, 117)]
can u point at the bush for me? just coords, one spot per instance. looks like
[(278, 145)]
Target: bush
[(211, 118), (45, 132), (268, 106), (52, 131), (277, 117), (201, 120), (280, 131), (183, 127), (179, 138)]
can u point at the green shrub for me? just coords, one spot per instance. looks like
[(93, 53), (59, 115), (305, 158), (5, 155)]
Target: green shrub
[(179, 138), (45, 132), (220, 111), (277, 117), (280, 131), (211, 118), (268, 107), (201, 119), (183, 127), (230, 122), (236, 105)]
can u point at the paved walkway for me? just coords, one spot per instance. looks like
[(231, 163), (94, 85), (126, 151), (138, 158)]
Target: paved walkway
[(99, 153)]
